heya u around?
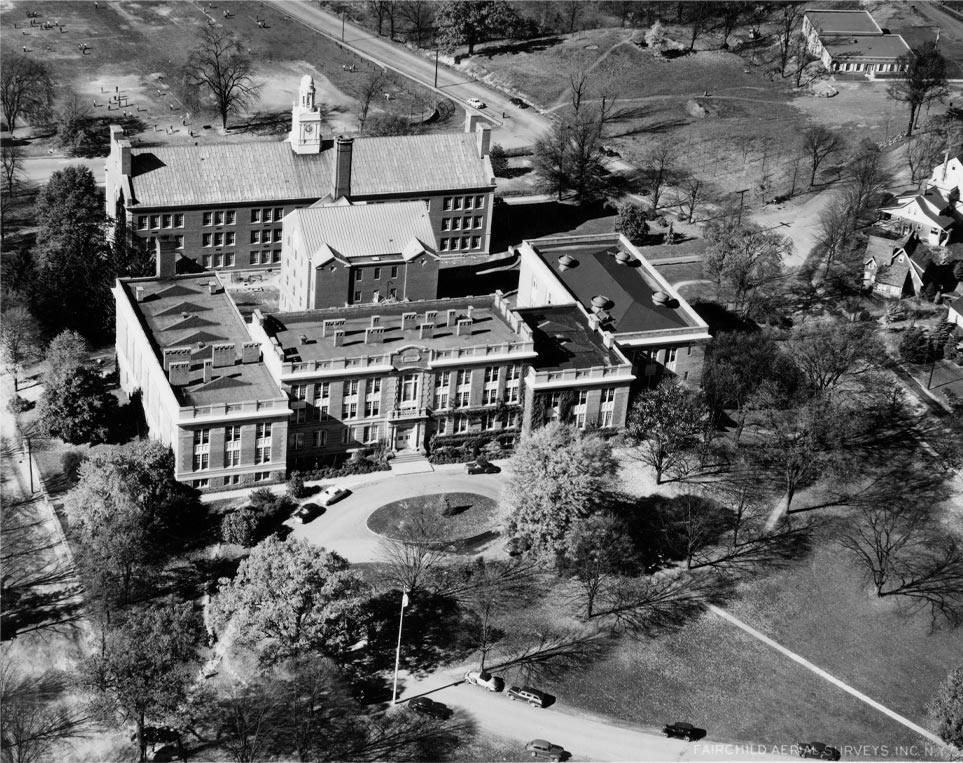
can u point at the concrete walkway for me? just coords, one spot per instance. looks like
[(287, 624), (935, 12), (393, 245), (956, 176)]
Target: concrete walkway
[(824, 675)]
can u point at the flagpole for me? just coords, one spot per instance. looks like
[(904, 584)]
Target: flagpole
[(401, 619)]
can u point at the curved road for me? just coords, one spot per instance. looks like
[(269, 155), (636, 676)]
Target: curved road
[(521, 127)]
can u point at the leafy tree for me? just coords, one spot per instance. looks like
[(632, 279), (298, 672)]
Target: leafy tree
[(145, 665), (469, 22), (66, 352), (128, 512), (819, 143), (745, 260), (664, 423), (77, 408), (632, 221), (947, 709), (19, 340), (242, 527), (11, 181), (655, 37), (558, 475), (830, 354), (915, 346), (924, 81), (290, 598), (499, 160), (26, 89), (597, 550), (36, 719), (72, 118), (75, 272), (220, 69)]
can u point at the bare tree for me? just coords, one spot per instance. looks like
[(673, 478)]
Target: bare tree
[(411, 557), (19, 340), (831, 354), (923, 151), (385, 10), (660, 165), (819, 143), (802, 54), (836, 226), (693, 191), (11, 158), (787, 24), (864, 180), (730, 14), (924, 81), (26, 89), (72, 117), (372, 86), (220, 68), (419, 14)]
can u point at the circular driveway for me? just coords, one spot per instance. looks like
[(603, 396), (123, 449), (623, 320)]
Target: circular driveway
[(343, 526)]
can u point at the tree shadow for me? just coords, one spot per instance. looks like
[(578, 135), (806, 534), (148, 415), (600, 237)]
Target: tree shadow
[(721, 318), (520, 46), (513, 223)]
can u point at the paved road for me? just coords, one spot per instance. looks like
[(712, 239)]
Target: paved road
[(38, 169), (586, 736), (520, 127), (343, 527)]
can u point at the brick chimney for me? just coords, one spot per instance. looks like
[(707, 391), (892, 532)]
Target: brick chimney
[(408, 321), (179, 374), (374, 335), (139, 293), (330, 325), (119, 149), (250, 352), (464, 327), (223, 354), (208, 370), (483, 140), (450, 317), (471, 122), (165, 256), (338, 338), (426, 330), (430, 316), (342, 167)]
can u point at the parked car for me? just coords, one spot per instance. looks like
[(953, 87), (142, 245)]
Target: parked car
[(515, 101), (539, 748), (307, 512), (429, 707), (679, 730), (609, 151), (817, 750), (481, 467), (476, 103), (483, 678), (534, 697), (332, 495)]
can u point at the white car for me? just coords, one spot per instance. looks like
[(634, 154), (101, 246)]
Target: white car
[(485, 679), (476, 103), (331, 495)]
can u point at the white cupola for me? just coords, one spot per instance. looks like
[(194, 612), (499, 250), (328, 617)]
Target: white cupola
[(305, 134)]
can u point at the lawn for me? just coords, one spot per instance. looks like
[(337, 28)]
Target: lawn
[(470, 515)]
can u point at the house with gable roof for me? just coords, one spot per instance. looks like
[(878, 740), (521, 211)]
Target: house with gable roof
[(889, 268)]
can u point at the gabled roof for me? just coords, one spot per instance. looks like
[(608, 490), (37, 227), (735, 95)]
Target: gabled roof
[(831, 21), (237, 173), (884, 47), (930, 204), (364, 230)]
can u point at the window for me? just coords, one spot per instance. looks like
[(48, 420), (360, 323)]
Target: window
[(201, 461), (345, 436), (202, 437), (230, 217), (462, 399), (511, 393), (491, 374), (232, 434), (206, 260), (490, 421), (443, 379), (232, 457), (447, 204), (464, 377), (443, 244), (392, 293), (455, 244), (350, 388), (219, 218), (670, 356), (252, 259), (299, 391), (229, 238), (276, 255), (206, 239), (513, 373), (479, 202), (201, 483), (456, 223), (461, 424), (441, 399), (466, 243), (300, 415), (229, 260), (458, 202), (218, 239), (262, 454), (217, 260), (475, 242), (179, 242), (349, 410), (394, 271), (490, 396), (357, 295), (155, 221), (608, 396), (263, 431), (359, 275), (142, 222), (322, 390), (297, 441), (319, 439), (372, 408), (466, 223), (208, 218), (278, 235), (278, 214), (167, 221), (320, 411), (255, 237), (446, 223), (469, 202), (478, 222), (371, 433), (377, 274), (409, 388), (232, 479)]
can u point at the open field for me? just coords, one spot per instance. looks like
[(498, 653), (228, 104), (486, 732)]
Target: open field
[(138, 47)]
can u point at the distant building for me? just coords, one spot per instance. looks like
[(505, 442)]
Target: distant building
[(852, 41), (889, 268), (933, 215), (624, 296), (343, 254), (224, 203), (947, 176)]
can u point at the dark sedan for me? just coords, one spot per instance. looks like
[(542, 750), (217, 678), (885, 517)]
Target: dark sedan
[(308, 512), (518, 102), (481, 467), (685, 731), (431, 708)]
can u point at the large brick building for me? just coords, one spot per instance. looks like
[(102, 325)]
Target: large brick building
[(624, 295), (224, 203)]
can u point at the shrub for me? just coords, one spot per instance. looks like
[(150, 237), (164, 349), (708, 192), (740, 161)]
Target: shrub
[(632, 221), (357, 464), (17, 404), (296, 486), (915, 346), (270, 507), (929, 292), (242, 527), (499, 160), (655, 37), (958, 270), (70, 463)]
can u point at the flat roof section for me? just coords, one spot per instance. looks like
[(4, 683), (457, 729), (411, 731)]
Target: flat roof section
[(564, 340), (886, 47), (182, 312), (301, 338), (843, 22), (629, 287)]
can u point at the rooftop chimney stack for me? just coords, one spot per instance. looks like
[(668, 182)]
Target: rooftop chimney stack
[(375, 320), (483, 140), (139, 293), (250, 352), (208, 370), (342, 167), (374, 335), (408, 321), (338, 337), (471, 122), (450, 317), (430, 316), (426, 330), (165, 255), (179, 374), (120, 149), (946, 163), (223, 354), (464, 327), (330, 325)]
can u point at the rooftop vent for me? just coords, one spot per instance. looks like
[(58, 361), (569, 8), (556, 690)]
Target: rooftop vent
[(600, 302), (302, 339), (566, 261), (624, 258), (660, 298)]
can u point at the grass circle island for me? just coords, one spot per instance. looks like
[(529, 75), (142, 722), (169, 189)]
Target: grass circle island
[(456, 521)]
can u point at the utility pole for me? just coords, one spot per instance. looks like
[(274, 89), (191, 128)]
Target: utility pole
[(30, 466), (342, 27), (401, 620), (742, 196), (436, 67)]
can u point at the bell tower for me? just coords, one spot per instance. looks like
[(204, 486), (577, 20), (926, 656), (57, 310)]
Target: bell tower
[(305, 134)]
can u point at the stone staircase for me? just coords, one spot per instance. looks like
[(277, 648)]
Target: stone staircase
[(410, 463)]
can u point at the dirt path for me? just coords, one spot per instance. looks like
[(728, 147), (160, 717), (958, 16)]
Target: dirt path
[(562, 99)]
